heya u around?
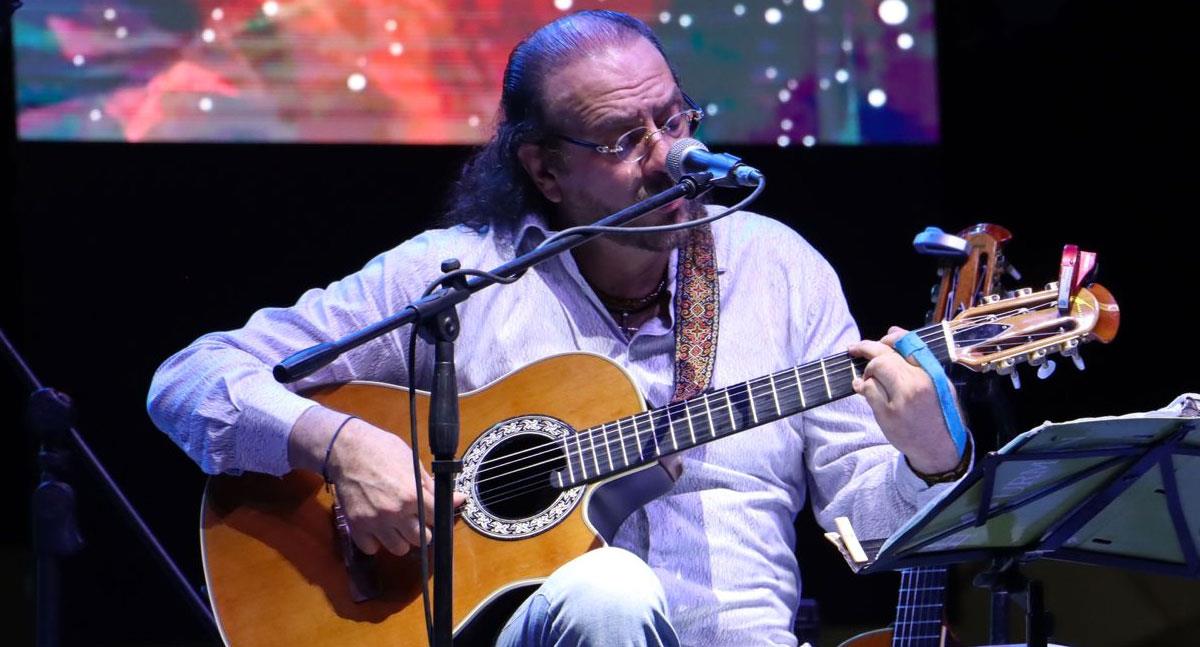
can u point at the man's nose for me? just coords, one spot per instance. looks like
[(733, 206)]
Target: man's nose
[(655, 162)]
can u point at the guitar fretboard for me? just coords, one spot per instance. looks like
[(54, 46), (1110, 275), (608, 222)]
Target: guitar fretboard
[(596, 453)]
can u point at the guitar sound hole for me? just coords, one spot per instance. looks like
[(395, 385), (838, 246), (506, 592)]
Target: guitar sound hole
[(514, 479)]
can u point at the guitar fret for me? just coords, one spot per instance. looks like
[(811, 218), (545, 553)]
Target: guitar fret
[(671, 429), (729, 407), (825, 374), (570, 468), (750, 397), (774, 394), (687, 411), (799, 386), (579, 448), (595, 456), (853, 369), (607, 450), (654, 435), (637, 437), (712, 428), (621, 435)]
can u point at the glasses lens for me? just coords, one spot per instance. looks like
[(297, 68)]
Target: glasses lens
[(633, 144), (680, 125)]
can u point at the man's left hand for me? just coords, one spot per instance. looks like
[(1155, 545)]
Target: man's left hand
[(905, 403)]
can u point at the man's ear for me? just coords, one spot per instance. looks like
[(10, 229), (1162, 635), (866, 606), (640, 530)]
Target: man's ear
[(535, 160)]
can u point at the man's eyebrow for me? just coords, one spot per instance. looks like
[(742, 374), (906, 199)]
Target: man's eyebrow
[(661, 110)]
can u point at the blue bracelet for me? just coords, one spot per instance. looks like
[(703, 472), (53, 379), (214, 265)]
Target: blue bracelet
[(913, 346)]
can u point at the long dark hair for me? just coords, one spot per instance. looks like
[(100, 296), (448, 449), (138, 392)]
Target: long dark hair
[(494, 191)]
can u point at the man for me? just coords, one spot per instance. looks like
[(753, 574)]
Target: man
[(710, 562)]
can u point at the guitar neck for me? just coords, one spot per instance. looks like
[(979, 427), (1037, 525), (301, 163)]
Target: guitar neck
[(620, 445)]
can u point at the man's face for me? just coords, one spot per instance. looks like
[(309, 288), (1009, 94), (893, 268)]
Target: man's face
[(598, 98)]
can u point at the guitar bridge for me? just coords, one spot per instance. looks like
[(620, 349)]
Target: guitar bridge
[(364, 580)]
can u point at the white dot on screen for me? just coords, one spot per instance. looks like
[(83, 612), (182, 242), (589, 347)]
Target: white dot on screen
[(396, 49), (905, 41), (783, 141), (712, 109), (78, 60), (842, 76), (110, 14), (893, 12), (664, 17), (95, 114), (685, 20), (771, 73), (787, 2), (218, 14), (122, 32), (773, 16), (808, 140), (814, 5), (356, 82), (786, 124), (785, 95), (206, 104), (208, 35), (824, 84), (390, 25), (563, 5), (270, 7), (877, 97), (847, 45), (473, 121), (739, 9), (793, 84)]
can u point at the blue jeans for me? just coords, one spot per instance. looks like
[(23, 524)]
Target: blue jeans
[(605, 597)]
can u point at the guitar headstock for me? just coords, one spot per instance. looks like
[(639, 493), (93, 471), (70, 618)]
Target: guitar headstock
[(1027, 326)]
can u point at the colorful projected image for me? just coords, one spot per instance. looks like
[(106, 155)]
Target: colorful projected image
[(786, 72)]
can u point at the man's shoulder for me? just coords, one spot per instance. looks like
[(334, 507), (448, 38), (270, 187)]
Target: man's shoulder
[(459, 241), (749, 233)]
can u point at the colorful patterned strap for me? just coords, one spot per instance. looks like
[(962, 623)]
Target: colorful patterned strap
[(697, 305)]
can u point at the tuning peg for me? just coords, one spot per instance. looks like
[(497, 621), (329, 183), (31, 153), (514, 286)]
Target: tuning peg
[(1015, 376), (1078, 361), (1046, 370)]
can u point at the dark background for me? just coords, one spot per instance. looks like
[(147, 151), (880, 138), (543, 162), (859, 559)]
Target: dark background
[(1059, 122)]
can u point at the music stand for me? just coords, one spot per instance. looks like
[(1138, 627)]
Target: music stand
[(1112, 491)]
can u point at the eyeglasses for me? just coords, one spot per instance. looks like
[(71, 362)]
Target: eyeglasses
[(638, 142)]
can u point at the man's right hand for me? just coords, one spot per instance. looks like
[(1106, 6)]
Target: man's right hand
[(372, 470)]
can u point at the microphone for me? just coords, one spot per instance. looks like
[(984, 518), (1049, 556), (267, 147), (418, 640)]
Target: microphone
[(691, 156)]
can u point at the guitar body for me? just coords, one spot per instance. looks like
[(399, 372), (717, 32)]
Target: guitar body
[(272, 561), (886, 638)]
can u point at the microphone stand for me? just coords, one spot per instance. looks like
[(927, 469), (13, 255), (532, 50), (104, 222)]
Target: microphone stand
[(438, 323), (55, 529)]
